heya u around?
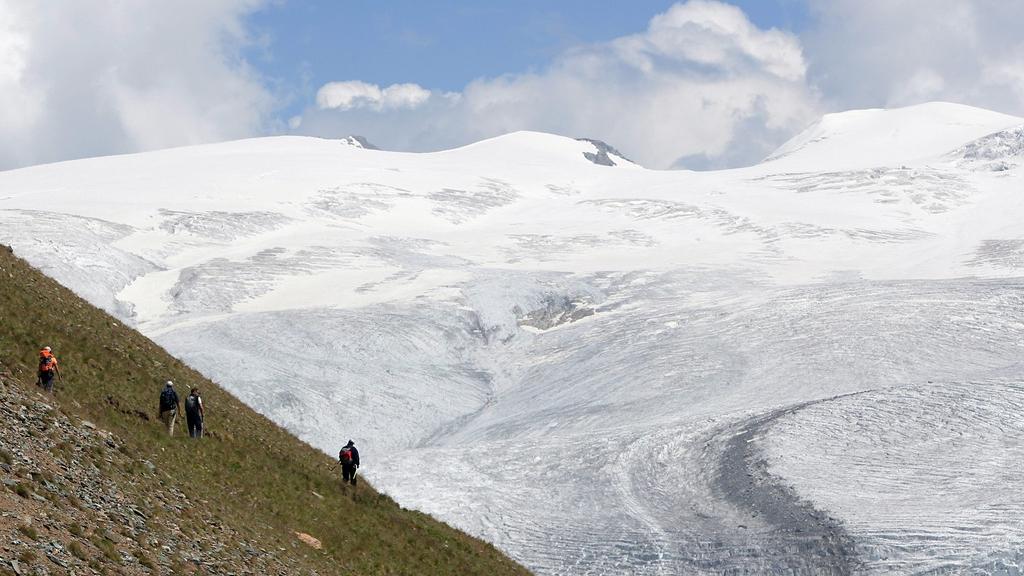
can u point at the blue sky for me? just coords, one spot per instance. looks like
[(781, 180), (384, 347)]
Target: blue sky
[(444, 44), (673, 84)]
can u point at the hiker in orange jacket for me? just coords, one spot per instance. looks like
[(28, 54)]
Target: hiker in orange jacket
[(48, 369)]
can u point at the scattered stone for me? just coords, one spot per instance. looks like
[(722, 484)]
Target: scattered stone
[(110, 511), (309, 540)]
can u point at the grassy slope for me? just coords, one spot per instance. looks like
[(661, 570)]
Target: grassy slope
[(256, 477)]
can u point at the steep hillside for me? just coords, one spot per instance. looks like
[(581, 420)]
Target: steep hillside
[(92, 484)]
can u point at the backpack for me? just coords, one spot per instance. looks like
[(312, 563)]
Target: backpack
[(192, 404), (168, 399), (45, 364), (345, 456)]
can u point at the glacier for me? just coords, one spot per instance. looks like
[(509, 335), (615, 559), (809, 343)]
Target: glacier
[(810, 365)]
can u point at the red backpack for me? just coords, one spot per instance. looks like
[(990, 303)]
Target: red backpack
[(345, 456)]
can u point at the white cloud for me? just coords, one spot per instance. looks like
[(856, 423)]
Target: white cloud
[(682, 88), (357, 94), (404, 96), (347, 95), (716, 35), (81, 78), (866, 53)]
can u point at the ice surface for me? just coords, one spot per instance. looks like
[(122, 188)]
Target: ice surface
[(807, 366)]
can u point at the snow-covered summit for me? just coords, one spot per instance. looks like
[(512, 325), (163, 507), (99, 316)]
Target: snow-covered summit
[(886, 137), (608, 369)]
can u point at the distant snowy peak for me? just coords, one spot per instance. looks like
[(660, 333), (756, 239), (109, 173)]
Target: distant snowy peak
[(539, 148), (878, 137), (358, 142)]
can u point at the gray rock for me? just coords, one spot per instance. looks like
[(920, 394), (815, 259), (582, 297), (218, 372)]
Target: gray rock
[(603, 155)]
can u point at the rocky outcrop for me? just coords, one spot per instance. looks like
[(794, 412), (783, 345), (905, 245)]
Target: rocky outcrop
[(359, 142), (604, 155)]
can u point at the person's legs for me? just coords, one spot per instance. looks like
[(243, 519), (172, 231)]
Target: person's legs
[(199, 428), (191, 425), (47, 382), (168, 417)]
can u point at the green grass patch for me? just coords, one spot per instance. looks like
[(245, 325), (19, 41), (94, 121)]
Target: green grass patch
[(106, 547), (145, 560), (77, 551), (28, 531), (27, 556)]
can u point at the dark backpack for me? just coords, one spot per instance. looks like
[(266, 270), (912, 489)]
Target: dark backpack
[(345, 456), (192, 404), (168, 400)]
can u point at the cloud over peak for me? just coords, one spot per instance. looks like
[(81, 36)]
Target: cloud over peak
[(718, 35), (701, 86), (682, 88), (357, 94)]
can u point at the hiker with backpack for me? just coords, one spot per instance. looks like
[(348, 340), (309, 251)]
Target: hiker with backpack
[(48, 369), (349, 460), (169, 407), (194, 413)]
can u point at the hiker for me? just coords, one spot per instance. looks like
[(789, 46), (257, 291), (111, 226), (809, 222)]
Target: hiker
[(349, 460), (194, 413), (169, 406), (48, 369)]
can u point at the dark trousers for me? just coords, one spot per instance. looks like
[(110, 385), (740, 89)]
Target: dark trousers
[(195, 426), (46, 381), (348, 473)]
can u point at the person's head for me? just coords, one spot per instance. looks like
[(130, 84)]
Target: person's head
[(350, 444), (194, 392), (170, 384), (46, 349)]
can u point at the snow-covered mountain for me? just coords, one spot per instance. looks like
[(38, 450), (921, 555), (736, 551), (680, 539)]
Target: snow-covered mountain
[(812, 364)]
